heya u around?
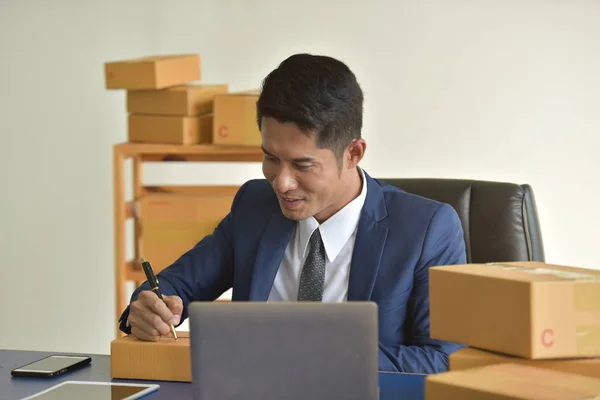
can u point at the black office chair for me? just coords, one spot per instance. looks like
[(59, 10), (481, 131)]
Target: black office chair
[(499, 219)]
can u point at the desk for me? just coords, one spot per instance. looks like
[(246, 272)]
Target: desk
[(393, 386)]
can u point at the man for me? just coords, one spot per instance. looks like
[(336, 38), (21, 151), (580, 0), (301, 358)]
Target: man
[(319, 228)]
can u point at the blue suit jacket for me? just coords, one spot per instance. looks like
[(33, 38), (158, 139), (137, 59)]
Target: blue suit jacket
[(399, 237)]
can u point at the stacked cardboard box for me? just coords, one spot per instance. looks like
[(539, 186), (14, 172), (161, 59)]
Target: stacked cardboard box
[(167, 105), (173, 223), (526, 324), (235, 119)]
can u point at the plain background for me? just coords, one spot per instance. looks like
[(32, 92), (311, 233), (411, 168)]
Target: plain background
[(486, 89)]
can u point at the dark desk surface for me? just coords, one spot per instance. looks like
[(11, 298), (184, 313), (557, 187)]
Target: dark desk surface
[(393, 386)]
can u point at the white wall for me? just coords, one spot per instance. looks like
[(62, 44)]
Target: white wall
[(57, 126), (496, 90)]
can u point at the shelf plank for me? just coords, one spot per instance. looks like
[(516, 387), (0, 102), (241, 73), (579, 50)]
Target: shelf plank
[(119, 233), (134, 272), (199, 152), (129, 209), (192, 190), (136, 276)]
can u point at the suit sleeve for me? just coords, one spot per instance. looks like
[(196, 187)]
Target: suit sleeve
[(443, 245), (201, 274)]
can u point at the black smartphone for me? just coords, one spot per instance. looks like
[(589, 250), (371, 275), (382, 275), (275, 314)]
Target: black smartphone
[(51, 366)]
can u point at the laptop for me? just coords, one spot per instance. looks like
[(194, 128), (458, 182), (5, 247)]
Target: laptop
[(284, 350)]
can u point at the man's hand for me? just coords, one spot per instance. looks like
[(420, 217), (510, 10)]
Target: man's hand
[(150, 318)]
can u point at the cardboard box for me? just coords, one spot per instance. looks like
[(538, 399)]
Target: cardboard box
[(472, 358), (185, 100), (153, 72), (510, 381), (171, 224), (173, 130), (528, 309), (235, 119), (165, 360)]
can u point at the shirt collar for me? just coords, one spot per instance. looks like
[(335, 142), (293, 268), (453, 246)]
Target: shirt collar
[(336, 231)]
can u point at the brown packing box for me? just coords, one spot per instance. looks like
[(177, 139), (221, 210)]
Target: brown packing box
[(166, 360), (171, 224), (472, 358), (185, 100), (235, 119), (526, 309), (153, 72), (510, 382), (169, 129)]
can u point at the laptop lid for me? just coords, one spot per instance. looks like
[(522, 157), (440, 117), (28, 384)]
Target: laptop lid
[(284, 350)]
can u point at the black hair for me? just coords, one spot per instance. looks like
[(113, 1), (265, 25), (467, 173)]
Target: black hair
[(319, 94)]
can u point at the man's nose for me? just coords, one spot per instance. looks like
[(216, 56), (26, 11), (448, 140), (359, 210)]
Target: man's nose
[(284, 181)]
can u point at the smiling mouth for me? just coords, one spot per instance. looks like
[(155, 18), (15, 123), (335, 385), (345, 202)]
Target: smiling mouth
[(290, 202)]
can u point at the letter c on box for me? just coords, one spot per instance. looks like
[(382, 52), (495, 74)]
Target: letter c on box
[(223, 131), (548, 337)]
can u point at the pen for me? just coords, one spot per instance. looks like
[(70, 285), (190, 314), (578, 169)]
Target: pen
[(153, 281)]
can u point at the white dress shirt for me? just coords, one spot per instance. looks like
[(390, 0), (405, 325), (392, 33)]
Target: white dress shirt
[(338, 234)]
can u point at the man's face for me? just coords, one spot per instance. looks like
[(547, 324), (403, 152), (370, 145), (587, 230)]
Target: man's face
[(307, 180)]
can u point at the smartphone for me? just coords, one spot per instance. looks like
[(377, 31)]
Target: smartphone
[(51, 366)]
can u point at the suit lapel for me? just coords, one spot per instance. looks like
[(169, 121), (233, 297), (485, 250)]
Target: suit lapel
[(270, 252), (369, 244)]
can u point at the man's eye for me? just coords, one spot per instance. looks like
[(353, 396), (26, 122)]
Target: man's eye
[(303, 167)]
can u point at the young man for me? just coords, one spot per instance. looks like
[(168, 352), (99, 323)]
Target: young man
[(318, 228)]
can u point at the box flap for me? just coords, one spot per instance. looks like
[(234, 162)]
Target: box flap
[(520, 381), (525, 271), (473, 354), (249, 92), (167, 340), (153, 58)]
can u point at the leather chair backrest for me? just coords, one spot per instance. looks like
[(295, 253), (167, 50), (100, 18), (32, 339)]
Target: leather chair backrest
[(499, 219)]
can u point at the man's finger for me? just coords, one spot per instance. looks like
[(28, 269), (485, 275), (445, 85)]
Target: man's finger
[(156, 322), (175, 304), (142, 335), (142, 327), (157, 306)]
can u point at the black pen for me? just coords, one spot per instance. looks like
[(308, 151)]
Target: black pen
[(153, 281)]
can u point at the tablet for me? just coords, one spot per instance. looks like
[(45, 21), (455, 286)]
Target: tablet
[(94, 391)]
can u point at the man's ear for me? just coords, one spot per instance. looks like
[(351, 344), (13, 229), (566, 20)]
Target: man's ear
[(355, 152)]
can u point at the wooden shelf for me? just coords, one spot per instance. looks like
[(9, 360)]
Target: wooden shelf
[(199, 152), (128, 270)]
